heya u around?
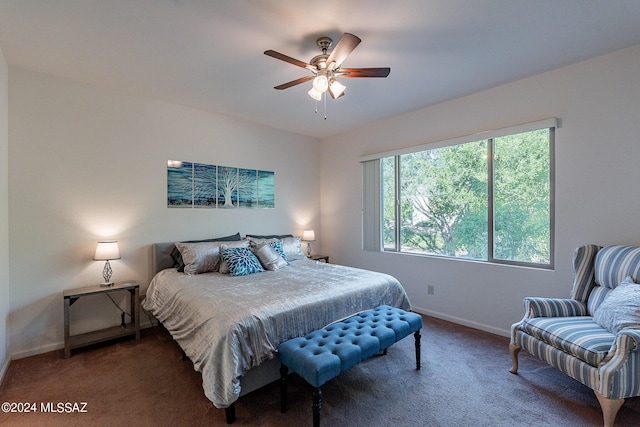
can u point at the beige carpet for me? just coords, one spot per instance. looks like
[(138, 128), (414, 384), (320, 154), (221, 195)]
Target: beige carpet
[(464, 381)]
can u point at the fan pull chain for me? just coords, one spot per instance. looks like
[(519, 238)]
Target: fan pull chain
[(325, 105)]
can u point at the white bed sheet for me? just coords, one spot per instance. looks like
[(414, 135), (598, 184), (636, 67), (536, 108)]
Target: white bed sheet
[(228, 325)]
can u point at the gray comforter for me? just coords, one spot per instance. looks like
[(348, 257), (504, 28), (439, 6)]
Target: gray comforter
[(228, 325)]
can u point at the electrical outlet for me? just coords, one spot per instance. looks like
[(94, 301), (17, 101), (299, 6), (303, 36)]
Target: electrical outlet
[(431, 289)]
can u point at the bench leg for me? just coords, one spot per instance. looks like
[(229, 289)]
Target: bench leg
[(283, 388), (230, 413), (417, 337), (317, 406)]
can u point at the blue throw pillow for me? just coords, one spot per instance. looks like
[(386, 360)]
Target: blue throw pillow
[(277, 245), (241, 261)]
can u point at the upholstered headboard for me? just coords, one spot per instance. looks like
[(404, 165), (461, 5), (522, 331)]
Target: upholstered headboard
[(161, 256)]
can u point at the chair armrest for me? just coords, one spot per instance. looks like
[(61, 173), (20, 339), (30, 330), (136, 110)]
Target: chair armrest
[(622, 357), (628, 340), (553, 307)]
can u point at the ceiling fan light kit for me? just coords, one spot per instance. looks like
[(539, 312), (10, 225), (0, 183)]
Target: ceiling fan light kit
[(326, 68)]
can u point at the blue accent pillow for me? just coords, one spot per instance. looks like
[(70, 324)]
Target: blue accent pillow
[(241, 261), (277, 245)]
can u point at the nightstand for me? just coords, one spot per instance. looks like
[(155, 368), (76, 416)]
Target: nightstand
[(318, 257), (93, 337)]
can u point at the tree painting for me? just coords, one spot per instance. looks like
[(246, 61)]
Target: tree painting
[(227, 187), (266, 189), (209, 186), (179, 184), (204, 185), (247, 188)]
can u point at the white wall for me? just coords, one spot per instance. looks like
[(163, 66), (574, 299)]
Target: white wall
[(4, 215), (597, 176), (88, 163)]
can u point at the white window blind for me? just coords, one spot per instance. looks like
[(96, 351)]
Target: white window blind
[(371, 206)]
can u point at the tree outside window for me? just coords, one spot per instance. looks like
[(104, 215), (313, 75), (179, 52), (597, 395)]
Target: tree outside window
[(441, 203)]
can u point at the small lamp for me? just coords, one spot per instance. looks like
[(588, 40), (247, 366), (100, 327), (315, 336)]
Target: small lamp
[(308, 236), (105, 251)]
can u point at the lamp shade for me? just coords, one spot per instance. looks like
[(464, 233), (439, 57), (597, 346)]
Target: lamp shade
[(321, 83), (336, 89), (309, 236), (315, 94), (106, 250)]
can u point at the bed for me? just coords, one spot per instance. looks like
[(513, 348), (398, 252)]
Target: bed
[(230, 327)]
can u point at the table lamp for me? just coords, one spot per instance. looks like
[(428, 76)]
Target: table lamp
[(308, 236), (105, 251)]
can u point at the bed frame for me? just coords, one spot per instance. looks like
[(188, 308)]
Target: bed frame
[(254, 379)]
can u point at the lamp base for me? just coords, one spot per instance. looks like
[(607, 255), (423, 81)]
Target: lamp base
[(106, 284)]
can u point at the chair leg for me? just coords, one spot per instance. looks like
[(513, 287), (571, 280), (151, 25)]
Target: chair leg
[(609, 407), (317, 406), (283, 388), (417, 338), (514, 350)]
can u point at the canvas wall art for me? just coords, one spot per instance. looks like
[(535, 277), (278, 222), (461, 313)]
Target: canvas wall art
[(198, 185)]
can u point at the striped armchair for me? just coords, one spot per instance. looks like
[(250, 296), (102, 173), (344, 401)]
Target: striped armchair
[(563, 333)]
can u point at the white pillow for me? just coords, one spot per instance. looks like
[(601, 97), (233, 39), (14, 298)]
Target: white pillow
[(292, 248), (224, 267), (200, 257), (269, 257), (620, 308)]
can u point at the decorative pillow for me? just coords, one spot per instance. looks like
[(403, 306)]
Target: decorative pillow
[(621, 308), (292, 248), (224, 267), (255, 241), (277, 245), (241, 261), (274, 242), (269, 257), (200, 257), (178, 262)]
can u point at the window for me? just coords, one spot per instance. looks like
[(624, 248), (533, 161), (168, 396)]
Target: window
[(485, 199)]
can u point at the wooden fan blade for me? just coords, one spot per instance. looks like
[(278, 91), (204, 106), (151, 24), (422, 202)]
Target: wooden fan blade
[(364, 72), (345, 46), (285, 58), (294, 82)]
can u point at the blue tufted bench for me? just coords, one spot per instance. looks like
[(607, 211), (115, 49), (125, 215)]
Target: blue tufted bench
[(324, 354)]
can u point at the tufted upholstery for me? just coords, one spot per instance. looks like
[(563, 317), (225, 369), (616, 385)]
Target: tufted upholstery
[(324, 354), (562, 332)]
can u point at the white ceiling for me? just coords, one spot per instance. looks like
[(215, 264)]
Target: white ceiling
[(208, 54)]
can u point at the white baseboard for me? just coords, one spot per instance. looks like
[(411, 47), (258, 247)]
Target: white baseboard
[(36, 350), (55, 346), (4, 368), (461, 321)]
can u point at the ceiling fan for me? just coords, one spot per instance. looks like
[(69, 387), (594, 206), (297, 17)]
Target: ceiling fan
[(326, 68)]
